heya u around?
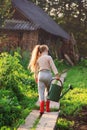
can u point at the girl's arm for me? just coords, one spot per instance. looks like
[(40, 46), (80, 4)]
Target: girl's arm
[(53, 67)]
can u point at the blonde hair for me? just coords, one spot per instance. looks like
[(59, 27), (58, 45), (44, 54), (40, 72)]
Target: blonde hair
[(38, 49)]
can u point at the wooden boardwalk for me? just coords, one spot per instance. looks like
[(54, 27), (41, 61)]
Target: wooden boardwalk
[(47, 120)]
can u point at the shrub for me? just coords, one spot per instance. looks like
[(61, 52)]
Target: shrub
[(10, 109), (15, 81), (83, 62), (25, 55), (64, 124)]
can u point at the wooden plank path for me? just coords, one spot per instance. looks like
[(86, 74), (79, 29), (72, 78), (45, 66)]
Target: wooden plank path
[(31, 118), (47, 120)]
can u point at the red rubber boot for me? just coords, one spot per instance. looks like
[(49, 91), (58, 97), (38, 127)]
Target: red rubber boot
[(48, 106), (41, 107)]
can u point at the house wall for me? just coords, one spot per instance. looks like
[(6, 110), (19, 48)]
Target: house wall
[(10, 40), (27, 40), (52, 41), (13, 39)]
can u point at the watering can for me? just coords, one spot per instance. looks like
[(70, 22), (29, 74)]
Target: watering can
[(55, 91)]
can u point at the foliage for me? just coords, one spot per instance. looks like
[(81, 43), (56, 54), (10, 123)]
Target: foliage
[(12, 72), (64, 124), (73, 101), (17, 90), (77, 76), (83, 63), (71, 15), (5, 13), (25, 55), (9, 108), (7, 128), (76, 99)]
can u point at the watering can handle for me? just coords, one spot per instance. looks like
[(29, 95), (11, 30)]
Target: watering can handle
[(58, 80)]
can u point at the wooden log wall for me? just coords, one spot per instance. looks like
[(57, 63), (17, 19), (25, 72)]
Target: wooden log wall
[(13, 39)]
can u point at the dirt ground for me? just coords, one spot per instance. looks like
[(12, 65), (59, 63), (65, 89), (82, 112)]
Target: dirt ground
[(81, 120)]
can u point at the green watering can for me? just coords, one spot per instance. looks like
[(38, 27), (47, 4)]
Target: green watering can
[(55, 91)]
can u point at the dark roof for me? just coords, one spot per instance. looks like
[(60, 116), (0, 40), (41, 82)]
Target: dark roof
[(19, 25), (39, 17)]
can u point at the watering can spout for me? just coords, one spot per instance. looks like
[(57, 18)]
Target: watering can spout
[(70, 87)]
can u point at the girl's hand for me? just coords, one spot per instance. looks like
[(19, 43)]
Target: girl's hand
[(57, 77)]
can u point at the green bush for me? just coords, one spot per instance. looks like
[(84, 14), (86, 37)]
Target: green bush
[(83, 62), (10, 109), (15, 84), (12, 72), (25, 56), (64, 124)]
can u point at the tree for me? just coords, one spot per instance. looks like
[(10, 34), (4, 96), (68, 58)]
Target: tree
[(5, 10), (5, 13), (71, 15), (74, 19)]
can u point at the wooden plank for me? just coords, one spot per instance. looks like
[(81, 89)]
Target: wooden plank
[(30, 120), (48, 121)]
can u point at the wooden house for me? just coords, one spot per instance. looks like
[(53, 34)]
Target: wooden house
[(29, 26)]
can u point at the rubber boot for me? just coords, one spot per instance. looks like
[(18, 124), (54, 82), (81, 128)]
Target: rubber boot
[(48, 106), (41, 107)]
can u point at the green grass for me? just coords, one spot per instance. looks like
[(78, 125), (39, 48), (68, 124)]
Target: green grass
[(72, 103), (35, 123)]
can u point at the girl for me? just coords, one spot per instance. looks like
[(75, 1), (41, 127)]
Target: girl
[(42, 64)]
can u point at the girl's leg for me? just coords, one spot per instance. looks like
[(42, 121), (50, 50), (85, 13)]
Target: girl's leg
[(47, 101), (44, 83), (46, 92), (41, 89)]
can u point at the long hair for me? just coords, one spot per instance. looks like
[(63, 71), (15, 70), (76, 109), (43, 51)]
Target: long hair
[(38, 49)]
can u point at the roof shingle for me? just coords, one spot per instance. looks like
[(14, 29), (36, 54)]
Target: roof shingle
[(19, 25)]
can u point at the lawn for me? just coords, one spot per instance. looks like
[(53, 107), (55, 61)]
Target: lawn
[(73, 109)]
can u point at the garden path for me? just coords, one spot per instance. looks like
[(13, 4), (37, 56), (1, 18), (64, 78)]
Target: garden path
[(47, 120)]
